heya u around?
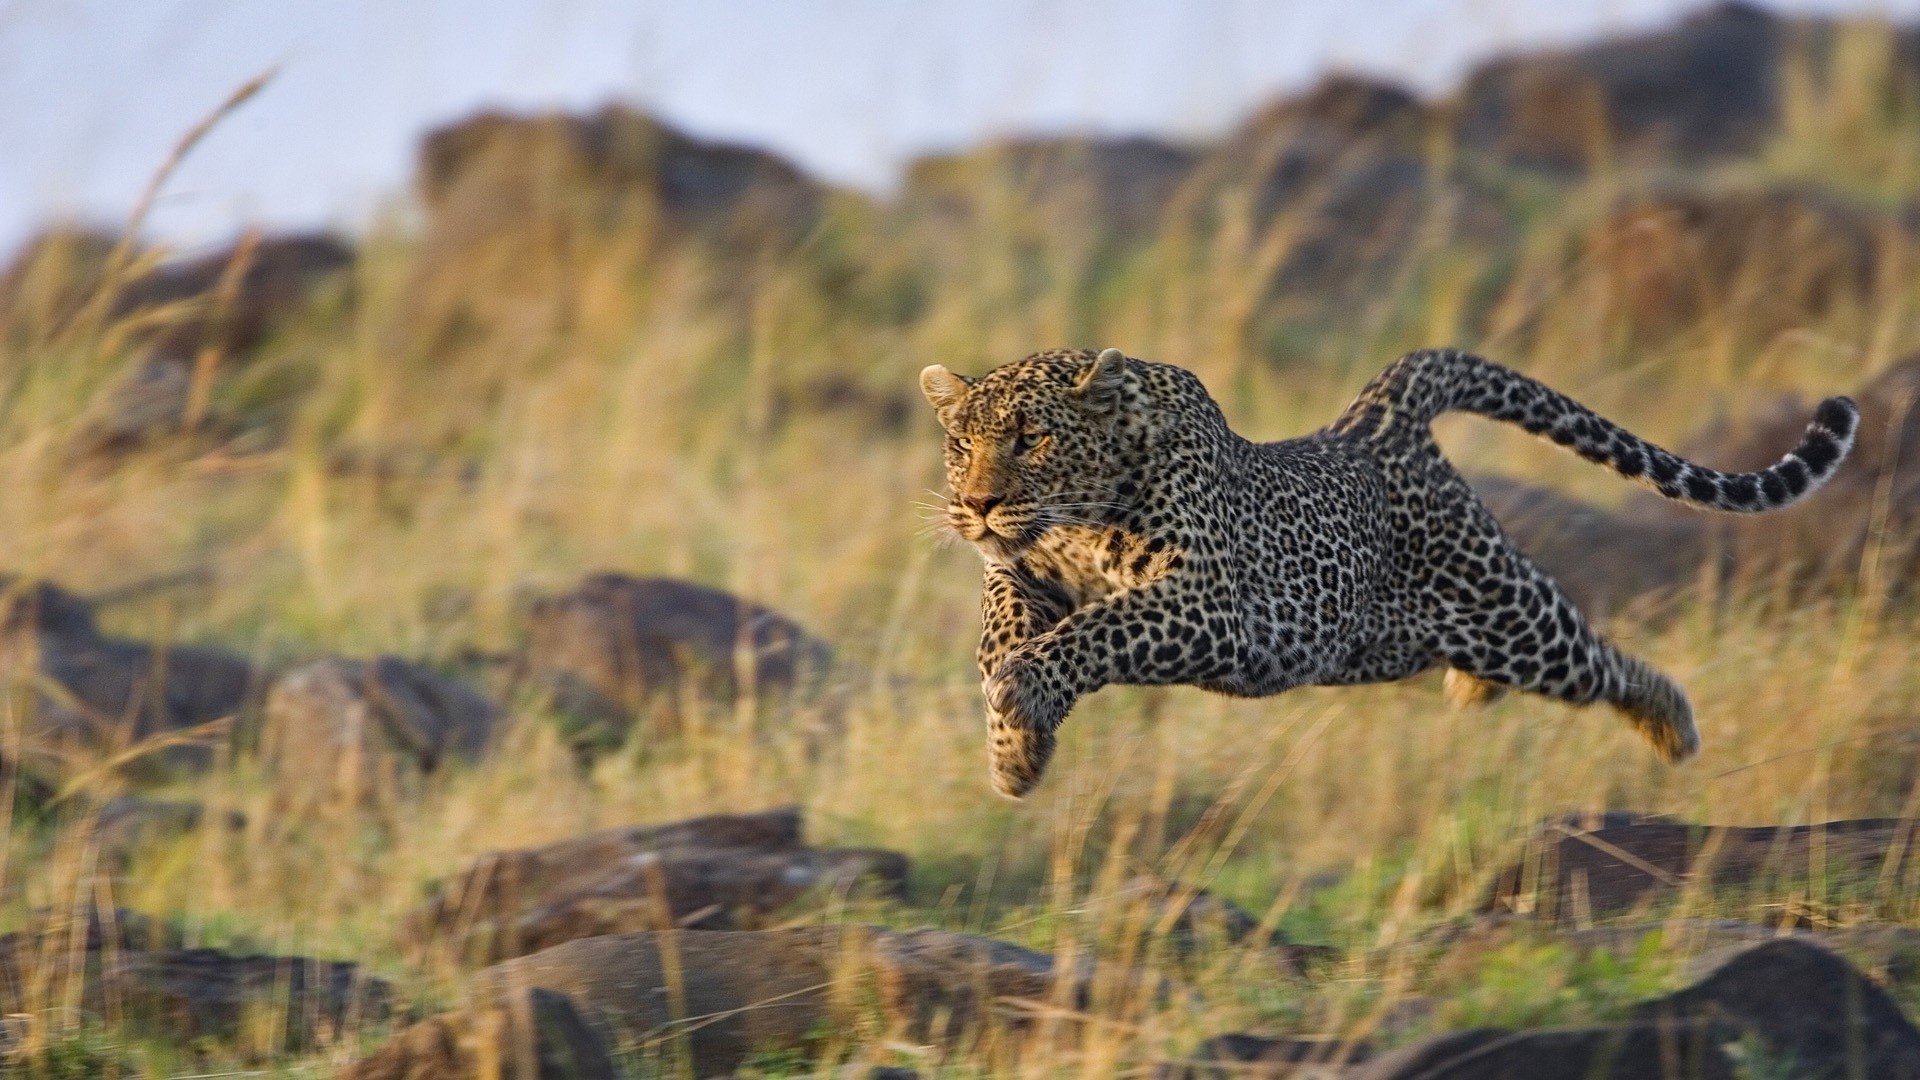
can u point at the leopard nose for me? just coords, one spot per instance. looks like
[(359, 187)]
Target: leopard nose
[(982, 504)]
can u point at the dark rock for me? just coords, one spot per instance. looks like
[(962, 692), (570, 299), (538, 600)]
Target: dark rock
[(266, 280), (360, 729), (1568, 873), (1118, 187), (1330, 195), (439, 1048), (1867, 515), (193, 992), (772, 989), (216, 309), (941, 987), (1626, 1052), (116, 692), (1707, 88), (1762, 261), (1188, 915), (708, 873), (531, 1035), (130, 823), (1256, 1057), (519, 209), (617, 648), (764, 990), (489, 170), (1807, 1007), (1354, 104)]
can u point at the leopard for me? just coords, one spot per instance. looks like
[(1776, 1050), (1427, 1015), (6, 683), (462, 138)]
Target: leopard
[(1130, 536)]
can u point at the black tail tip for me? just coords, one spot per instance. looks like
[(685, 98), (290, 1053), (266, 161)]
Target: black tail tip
[(1838, 415)]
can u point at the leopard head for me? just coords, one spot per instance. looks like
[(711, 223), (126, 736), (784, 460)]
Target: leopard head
[(1031, 446)]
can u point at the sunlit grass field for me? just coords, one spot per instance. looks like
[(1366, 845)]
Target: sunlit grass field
[(403, 480)]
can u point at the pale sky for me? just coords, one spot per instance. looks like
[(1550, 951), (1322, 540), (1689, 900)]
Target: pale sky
[(94, 92)]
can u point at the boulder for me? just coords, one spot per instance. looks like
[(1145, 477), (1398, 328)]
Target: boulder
[(1861, 530), (715, 872), (521, 209), (754, 991), (497, 171), (1257, 1057), (618, 648), (361, 729), (1330, 194), (1805, 1007), (215, 309), (88, 693), (531, 1035), (1098, 187), (719, 997), (128, 824), (1645, 1051), (1568, 873), (1760, 261), (128, 967), (188, 993), (1705, 89)]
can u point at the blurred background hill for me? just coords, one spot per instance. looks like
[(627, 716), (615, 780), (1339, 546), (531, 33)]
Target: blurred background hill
[(473, 471)]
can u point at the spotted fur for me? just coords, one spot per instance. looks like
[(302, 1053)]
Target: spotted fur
[(1131, 537)]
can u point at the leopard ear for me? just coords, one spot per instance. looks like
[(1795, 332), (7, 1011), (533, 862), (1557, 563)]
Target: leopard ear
[(943, 388), (1100, 381)]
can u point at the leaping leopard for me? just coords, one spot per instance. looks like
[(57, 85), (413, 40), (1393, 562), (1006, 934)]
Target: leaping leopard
[(1131, 537)]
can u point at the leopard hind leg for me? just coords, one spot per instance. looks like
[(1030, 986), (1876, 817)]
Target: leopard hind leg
[(1544, 647)]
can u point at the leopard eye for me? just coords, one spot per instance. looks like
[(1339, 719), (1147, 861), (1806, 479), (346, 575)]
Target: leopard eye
[(959, 445), (1028, 441)]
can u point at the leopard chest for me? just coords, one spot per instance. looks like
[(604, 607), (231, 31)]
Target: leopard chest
[(1089, 562)]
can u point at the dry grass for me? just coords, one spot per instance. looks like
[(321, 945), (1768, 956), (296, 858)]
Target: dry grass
[(642, 429)]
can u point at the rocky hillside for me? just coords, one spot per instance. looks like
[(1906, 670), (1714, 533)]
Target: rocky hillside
[(509, 642)]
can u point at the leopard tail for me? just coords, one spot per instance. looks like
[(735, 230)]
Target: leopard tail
[(1423, 384)]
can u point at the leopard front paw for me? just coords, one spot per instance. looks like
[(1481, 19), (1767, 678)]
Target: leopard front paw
[(1022, 714)]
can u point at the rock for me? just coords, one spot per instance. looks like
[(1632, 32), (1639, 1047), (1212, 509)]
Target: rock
[(1805, 1006), (1707, 88), (712, 873), (130, 823), (772, 989), (940, 987), (1570, 874), (723, 996), (520, 209), (1099, 187), (114, 691), (1652, 547), (229, 301), (617, 648), (439, 1048), (532, 1035), (492, 168), (129, 967), (1762, 261), (1256, 1057), (277, 276), (361, 729), (1604, 561), (1330, 194), (763, 990), (1623, 1052), (1871, 505), (187, 993)]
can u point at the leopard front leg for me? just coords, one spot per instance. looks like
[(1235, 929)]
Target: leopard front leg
[(1157, 634), (1015, 608)]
